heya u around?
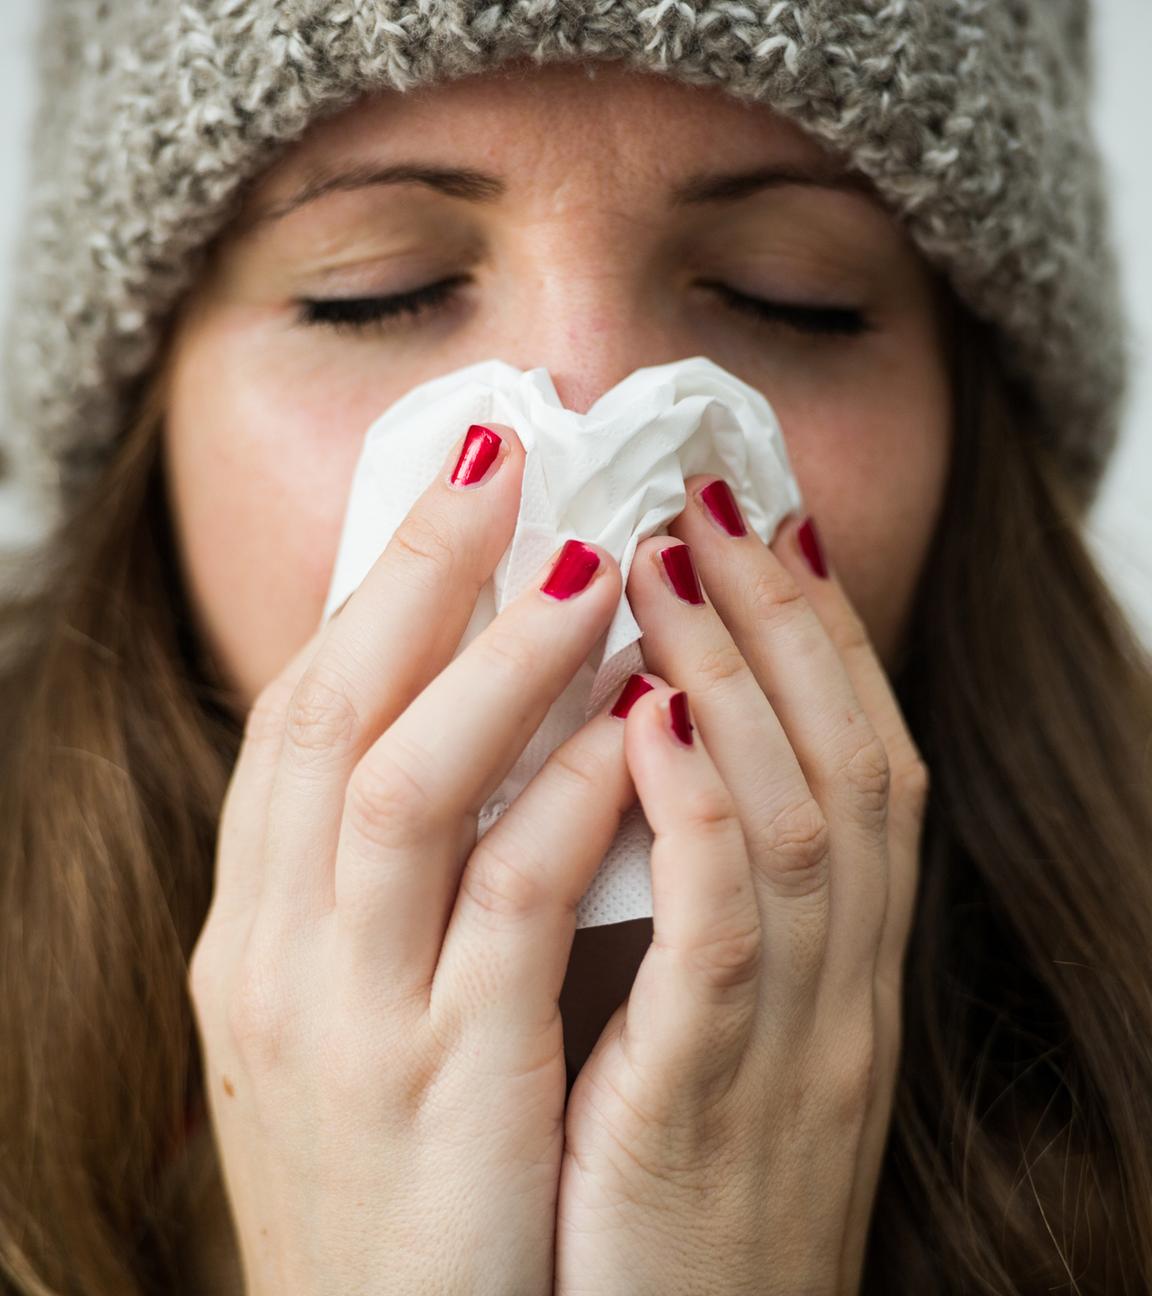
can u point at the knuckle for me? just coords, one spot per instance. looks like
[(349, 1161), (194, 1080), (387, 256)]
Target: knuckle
[(386, 805), (322, 717), (851, 1076), (354, 1046), (711, 812), (718, 666), (264, 723), (508, 654), (731, 959), (424, 551), (774, 596), (203, 977), (503, 884), (258, 1013), (358, 1066), (850, 634), (867, 772), (799, 841), (912, 782), (581, 773)]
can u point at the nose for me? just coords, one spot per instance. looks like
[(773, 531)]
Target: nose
[(580, 381), (590, 336)]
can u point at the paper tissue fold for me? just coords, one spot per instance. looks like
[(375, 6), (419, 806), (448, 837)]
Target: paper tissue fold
[(615, 476)]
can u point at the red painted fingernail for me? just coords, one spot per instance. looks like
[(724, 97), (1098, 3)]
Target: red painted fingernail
[(680, 717), (635, 686), (681, 571), (718, 499), (810, 547), (572, 571), (478, 453)]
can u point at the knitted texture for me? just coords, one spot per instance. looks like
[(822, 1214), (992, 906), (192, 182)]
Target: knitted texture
[(969, 116)]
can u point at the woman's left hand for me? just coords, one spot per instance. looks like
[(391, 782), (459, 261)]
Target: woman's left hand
[(725, 1135)]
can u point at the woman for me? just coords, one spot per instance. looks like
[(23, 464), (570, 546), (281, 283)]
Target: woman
[(888, 1028)]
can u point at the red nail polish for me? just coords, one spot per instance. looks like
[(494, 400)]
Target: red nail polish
[(635, 686), (572, 571), (681, 717), (478, 454), (681, 571), (810, 547), (718, 499)]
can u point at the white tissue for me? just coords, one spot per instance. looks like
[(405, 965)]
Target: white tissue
[(615, 476)]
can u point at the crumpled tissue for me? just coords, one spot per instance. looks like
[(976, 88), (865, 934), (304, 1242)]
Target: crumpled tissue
[(615, 476)]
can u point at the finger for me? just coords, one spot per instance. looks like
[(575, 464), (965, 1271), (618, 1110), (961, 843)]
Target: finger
[(516, 908), (908, 779), (843, 759), (243, 826), (788, 842), (412, 804), (398, 630), (694, 999), (799, 548)]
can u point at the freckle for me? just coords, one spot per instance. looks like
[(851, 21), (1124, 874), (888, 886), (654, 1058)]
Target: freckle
[(229, 1089), (264, 1232)]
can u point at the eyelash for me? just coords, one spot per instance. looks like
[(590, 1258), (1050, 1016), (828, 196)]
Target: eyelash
[(360, 314)]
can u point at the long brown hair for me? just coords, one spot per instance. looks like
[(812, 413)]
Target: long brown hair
[(1020, 1154)]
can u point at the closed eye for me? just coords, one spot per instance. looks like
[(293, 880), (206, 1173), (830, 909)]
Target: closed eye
[(842, 321), (361, 314)]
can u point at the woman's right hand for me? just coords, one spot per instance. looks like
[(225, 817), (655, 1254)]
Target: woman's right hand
[(376, 993)]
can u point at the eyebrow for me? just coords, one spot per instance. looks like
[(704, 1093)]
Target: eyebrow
[(456, 182), (731, 187), (482, 187)]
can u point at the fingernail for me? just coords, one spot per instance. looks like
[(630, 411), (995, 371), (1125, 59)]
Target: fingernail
[(481, 449), (680, 717), (810, 547), (572, 571), (682, 575), (721, 504), (635, 686)]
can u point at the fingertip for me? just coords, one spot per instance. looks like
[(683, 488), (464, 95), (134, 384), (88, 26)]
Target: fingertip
[(609, 564), (694, 482), (664, 758), (512, 452), (477, 457), (635, 686), (679, 718), (664, 718), (647, 549), (507, 433), (575, 566), (799, 545)]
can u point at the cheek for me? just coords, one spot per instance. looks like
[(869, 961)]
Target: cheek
[(259, 466), (873, 472)]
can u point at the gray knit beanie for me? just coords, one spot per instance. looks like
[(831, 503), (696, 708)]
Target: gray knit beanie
[(969, 116)]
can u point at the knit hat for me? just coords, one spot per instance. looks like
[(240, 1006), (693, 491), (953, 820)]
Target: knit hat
[(969, 116)]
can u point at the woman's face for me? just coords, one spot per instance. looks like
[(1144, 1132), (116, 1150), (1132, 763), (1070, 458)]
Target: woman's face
[(592, 234)]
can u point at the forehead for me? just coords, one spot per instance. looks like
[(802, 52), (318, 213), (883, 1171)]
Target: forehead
[(522, 115)]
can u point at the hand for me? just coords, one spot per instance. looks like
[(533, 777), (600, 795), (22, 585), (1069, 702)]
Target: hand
[(376, 994), (725, 1134)]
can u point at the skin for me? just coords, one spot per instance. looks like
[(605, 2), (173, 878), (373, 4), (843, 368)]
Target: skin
[(581, 266)]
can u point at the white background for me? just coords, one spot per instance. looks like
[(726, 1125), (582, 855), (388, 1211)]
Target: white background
[(1121, 523)]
